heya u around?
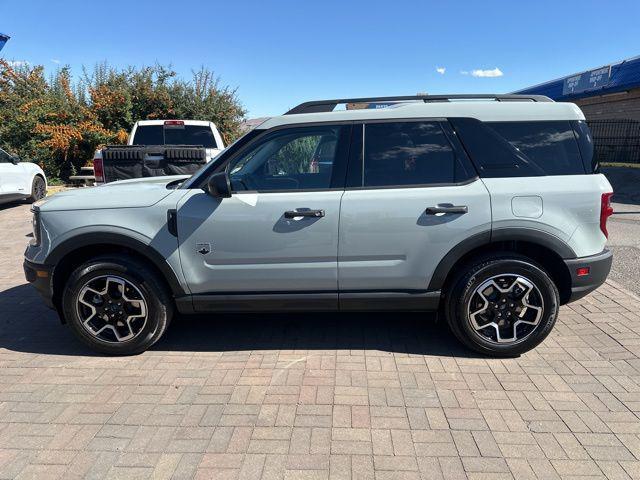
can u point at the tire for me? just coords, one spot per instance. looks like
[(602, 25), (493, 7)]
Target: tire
[(38, 189), (138, 319), (495, 317)]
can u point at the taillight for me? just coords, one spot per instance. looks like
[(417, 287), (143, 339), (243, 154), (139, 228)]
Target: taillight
[(174, 123), (98, 170), (606, 210)]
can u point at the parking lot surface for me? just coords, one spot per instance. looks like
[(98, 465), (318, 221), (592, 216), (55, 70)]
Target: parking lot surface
[(315, 396)]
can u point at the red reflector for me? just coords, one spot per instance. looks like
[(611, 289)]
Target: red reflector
[(583, 271), (173, 122), (98, 170)]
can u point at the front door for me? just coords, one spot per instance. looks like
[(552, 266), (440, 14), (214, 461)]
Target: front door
[(415, 197), (278, 233)]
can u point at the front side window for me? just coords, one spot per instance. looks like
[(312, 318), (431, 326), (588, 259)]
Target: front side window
[(407, 153), (290, 159)]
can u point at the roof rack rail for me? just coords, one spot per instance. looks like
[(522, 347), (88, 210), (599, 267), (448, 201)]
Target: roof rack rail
[(317, 106)]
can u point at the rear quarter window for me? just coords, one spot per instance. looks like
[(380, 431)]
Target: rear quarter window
[(551, 146), (522, 149)]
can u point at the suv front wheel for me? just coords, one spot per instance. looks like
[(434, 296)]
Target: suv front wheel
[(502, 305), (116, 305)]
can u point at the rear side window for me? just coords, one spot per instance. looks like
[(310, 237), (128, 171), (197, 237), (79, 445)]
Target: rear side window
[(552, 146), (408, 153)]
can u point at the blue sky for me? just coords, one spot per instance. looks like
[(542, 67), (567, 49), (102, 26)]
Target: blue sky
[(280, 53)]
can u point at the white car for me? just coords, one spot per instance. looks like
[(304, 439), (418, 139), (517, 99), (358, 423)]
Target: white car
[(20, 180)]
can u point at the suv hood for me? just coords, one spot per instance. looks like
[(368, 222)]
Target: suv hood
[(134, 193)]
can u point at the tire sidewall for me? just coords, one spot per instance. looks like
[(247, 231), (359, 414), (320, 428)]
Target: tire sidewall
[(476, 276), (138, 275)]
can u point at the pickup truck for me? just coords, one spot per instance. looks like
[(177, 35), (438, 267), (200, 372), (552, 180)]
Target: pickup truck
[(159, 147)]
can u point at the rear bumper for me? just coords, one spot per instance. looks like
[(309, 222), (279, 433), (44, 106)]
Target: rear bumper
[(599, 266), (39, 276)]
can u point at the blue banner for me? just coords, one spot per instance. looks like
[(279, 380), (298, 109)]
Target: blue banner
[(590, 80), (3, 40)]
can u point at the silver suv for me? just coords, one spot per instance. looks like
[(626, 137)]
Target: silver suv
[(488, 210)]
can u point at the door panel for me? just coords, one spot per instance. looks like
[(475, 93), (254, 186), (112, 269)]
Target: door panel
[(389, 242), (253, 247), (413, 198)]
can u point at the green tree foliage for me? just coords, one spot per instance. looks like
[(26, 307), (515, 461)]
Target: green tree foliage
[(59, 123)]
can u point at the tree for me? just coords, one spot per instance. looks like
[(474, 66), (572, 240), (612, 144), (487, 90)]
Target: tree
[(59, 123)]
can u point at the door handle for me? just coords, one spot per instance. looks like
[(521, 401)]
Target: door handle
[(304, 213), (447, 208)]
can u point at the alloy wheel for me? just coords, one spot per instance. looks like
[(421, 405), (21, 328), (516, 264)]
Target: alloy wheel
[(505, 309), (39, 189), (112, 308)]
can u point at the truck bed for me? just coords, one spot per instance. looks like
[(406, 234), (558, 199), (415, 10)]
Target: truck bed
[(122, 162)]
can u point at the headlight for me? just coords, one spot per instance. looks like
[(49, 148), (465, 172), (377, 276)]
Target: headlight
[(35, 221)]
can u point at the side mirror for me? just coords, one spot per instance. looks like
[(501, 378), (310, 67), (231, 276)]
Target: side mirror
[(219, 185), (15, 159)]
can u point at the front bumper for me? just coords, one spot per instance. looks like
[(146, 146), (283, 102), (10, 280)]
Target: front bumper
[(599, 266), (40, 277)]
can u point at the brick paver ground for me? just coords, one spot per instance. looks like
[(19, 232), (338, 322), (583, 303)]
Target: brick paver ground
[(315, 396)]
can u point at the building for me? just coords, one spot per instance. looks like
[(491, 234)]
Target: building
[(609, 96), (3, 39)]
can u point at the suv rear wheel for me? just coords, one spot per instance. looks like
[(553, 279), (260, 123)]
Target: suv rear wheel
[(502, 305), (116, 305)]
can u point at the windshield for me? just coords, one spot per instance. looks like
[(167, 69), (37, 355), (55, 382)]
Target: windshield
[(174, 135)]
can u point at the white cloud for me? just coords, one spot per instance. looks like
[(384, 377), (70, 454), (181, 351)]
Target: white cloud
[(464, 72), (441, 70), (18, 63), (496, 72), (56, 61)]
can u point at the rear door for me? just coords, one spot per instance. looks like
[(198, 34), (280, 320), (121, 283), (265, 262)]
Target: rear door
[(278, 233), (411, 196)]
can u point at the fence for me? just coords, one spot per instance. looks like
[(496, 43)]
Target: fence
[(616, 140)]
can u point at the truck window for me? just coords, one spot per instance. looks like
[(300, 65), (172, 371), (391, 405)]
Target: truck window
[(148, 135), (189, 135), (174, 135)]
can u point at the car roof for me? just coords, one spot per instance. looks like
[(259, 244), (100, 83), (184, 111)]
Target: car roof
[(489, 111)]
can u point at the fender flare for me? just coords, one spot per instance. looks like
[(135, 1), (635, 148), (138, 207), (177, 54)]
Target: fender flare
[(139, 245), (529, 235)]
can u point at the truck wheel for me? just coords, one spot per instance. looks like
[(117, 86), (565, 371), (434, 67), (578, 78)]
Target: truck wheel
[(38, 189), (502, 305), (117, 305)]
